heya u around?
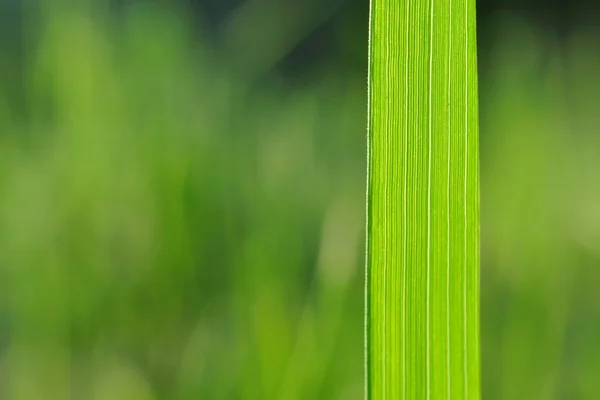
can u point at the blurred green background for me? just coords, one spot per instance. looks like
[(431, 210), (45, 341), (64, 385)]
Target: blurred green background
[(182, 202)]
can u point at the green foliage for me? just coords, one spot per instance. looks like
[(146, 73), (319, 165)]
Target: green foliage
[(540, 224), (422, 321), (169, 231)]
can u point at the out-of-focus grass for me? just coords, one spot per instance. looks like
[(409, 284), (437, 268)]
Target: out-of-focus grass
[(540, 225), (169, 230)]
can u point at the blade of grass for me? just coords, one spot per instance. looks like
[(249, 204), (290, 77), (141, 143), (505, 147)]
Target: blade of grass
[(422, 278)]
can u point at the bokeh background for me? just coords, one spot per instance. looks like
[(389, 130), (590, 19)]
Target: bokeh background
[(182, 199)]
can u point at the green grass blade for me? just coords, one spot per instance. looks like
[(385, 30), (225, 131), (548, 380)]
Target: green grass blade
[(422, 287)]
